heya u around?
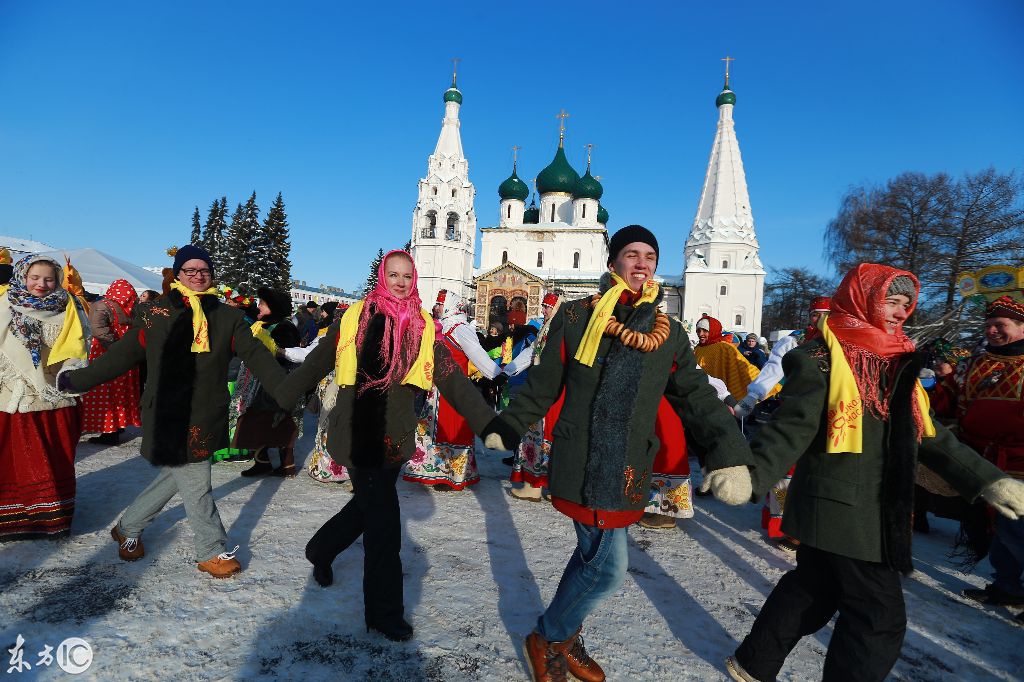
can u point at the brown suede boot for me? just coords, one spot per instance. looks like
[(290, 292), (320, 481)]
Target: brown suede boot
[(547, 664), (287, 466), (581, 665)]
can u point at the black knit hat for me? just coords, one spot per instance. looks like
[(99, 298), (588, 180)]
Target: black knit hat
[(191, 252), (628, 235)]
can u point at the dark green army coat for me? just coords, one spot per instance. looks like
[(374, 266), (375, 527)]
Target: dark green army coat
[(855, 505), (397, 420), (185, 403), (604, 443)]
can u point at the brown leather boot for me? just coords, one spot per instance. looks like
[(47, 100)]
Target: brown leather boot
[(581, 665), (129, 549), (287, 467), (547, 664)]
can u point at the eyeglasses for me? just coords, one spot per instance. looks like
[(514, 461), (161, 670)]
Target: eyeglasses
[(192, 272)]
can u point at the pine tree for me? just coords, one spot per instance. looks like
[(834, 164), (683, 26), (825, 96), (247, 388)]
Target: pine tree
[(276, 227), (215, 233), (233, 251), (258, 269), (371, 279), (196, 229)]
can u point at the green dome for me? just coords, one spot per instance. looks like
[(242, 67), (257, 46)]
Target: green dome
[(559, 176), (602, 215), (531, 216), (452, 94), (513, 188), (727, 96), (588, 187)]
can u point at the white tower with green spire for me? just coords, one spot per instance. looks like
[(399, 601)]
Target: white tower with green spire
[(723, 276), (444, 221)]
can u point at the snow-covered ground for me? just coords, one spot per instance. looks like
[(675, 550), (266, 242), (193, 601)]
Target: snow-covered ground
[(479, 566)]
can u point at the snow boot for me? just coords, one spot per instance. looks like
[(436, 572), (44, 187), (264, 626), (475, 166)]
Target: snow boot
[(259, 466), (396, 631), (547, 661), (528, 493), (994, 596), (112, 438), (129, 549), (224, 565), (657, 521), (737, 672), (287, 467)]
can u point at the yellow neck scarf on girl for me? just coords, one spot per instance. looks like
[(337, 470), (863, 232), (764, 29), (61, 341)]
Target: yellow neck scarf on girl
[(421, 373), (587, 351), (70, 342), (259, 331), (845, 407), (200, 328)]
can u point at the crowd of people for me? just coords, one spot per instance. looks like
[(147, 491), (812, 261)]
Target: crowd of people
[(600, 402)]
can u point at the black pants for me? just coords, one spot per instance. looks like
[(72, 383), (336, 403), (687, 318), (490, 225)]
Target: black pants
[(373, 513), (868, 634)]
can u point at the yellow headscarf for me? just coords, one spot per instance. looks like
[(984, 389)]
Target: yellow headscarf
[(845, 407), (421, 373), (587, 351), (200, 327)]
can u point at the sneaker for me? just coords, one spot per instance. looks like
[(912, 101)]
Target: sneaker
[(994, 596), (224, 565), (129, 549), (657, 521), (736, 671)]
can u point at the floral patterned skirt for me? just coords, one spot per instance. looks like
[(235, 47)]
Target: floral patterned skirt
[(532, 458), (321, 467), (436, 463), (671, 495)]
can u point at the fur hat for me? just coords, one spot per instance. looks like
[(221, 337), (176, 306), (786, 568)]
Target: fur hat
[(280, 304), (628, 235), (191, 252)]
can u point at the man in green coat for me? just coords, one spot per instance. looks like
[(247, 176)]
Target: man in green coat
[(616, 357), (855, 421), (187, 339)]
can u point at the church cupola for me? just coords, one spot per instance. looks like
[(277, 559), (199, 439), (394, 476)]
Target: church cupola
[(586, 197), (557, 182), (532, 215), (602, 216), (513, 193)]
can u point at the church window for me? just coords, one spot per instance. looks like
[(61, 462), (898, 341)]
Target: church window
[(739, 320), (723, 290), (435, 191), (430, 226), (576, 260), (454, 192), (725, 263), (540, 259), (552, 213), (509, 214), (504, 257), (452, 231), (584, 211)]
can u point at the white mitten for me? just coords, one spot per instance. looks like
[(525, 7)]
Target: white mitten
[(494, 442), (744, 407), (1007, 496), (731, 485)]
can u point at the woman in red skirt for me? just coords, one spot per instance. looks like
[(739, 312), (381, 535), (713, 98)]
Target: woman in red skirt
[(42, 329), (112, 406)]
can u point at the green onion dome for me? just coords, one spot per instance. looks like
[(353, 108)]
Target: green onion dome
[(559, 176), (602, 215), (513, 188), (727, 96), (452, 94), (588, 187), (531, 216)]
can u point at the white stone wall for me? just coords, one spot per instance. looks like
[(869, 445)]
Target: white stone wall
[(743, 297), (584, 212), (559, 246), (511, 212)]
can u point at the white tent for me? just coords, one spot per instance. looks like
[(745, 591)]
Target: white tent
[(99, 269)]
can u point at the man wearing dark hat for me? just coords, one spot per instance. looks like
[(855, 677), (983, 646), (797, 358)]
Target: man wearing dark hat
[(619, 356), (986, 395)]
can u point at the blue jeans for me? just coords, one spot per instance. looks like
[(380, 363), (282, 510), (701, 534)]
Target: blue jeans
[(1007, 554), (595, 571)]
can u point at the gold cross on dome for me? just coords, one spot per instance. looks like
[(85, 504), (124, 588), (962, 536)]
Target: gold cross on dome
[(455, 68), (727, 59), (562, 115), (515, 156), (590, 151)]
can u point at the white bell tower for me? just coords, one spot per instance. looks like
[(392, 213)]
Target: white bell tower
[(444, 222)]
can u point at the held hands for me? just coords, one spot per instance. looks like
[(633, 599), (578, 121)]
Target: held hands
[(731, 485), (745, 407), (1007, 496)]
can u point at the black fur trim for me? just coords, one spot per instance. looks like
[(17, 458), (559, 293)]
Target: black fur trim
[(898, 471), (611, 415)]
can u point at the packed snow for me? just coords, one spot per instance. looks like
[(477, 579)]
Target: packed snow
[(480, 566)]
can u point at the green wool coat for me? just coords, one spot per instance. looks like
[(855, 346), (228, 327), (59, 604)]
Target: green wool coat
[(854, 504), (669, 371), (400, 418), (185, 403)]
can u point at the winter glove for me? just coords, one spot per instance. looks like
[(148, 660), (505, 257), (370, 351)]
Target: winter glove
[(498, 435), (1007, 496), (494, 442), (745, 407), (730, 485)]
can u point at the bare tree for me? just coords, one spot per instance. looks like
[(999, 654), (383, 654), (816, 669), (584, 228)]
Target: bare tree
[(788, 294)]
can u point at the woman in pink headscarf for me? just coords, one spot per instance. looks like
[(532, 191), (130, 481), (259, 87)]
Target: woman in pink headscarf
[(110, 407), (384, 354)]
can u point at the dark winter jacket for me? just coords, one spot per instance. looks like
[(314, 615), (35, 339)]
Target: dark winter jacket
[(103, 318), (185, 404), (604, 442), (855, 505), (378, 430)]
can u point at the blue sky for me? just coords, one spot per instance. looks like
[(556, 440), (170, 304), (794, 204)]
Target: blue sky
[(119, 118)]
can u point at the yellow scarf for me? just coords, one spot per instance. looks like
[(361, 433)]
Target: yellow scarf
[(846, 409), (200, 327), (70, 342), (587, 351), (421, 373), (259, 331)]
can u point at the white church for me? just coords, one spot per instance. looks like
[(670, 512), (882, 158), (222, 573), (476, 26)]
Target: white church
[(562, 244)]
